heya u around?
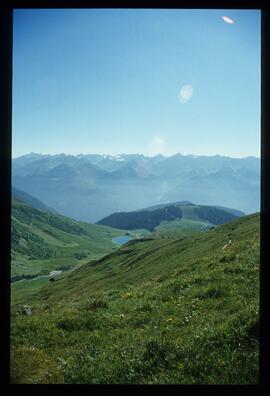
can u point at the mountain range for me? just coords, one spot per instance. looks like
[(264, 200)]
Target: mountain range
[(89, 187)]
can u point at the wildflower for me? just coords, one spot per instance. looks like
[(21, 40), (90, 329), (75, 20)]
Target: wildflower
[(62, 361)]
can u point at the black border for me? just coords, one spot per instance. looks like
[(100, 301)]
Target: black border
[(5, 177), (6, 29), (265, 197)]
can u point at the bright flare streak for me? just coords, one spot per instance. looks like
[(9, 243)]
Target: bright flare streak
[(228, 20)]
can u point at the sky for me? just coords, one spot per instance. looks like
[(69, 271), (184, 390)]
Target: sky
[(136, 81)]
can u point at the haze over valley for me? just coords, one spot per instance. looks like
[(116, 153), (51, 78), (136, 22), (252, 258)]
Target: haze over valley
[(90, 187)]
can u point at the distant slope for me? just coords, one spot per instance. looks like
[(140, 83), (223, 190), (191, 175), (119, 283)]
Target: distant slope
[(27, 198), (235, 212), (152, 217), (163, 311), (164, 205), (214, 215), (147, 219), (43, 241)]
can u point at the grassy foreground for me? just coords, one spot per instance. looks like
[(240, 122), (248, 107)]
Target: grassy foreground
[(162, 311)]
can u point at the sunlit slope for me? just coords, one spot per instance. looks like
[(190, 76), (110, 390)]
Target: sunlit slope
[(159, 311), (42, 241), (140, 260)]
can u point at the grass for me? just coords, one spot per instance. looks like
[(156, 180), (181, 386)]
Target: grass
[(172, 228), (162, 311), (26, 290)]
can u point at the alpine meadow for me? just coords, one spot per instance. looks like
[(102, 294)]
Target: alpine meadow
[(135, 221)]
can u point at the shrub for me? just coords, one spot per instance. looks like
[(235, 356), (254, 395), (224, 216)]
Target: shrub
[(96, 304), (159, 354), (145, 308), (69, 324), (227, 258), (211, 292)]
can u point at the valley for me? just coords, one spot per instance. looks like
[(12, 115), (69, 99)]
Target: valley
[(44, 241)]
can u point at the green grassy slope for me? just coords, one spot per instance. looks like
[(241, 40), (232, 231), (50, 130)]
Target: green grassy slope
[(190, 222), (43, 241), (179, 310)]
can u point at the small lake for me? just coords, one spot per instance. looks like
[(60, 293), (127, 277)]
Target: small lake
[(55, 272), (122, 239)]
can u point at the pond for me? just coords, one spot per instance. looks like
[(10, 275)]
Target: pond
[(122, 239)]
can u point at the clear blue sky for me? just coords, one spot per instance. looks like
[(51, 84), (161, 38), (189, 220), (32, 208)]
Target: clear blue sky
[(136, 81)]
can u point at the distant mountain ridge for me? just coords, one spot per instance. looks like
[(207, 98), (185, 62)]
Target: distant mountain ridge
[(29, 199), (91, 187)]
